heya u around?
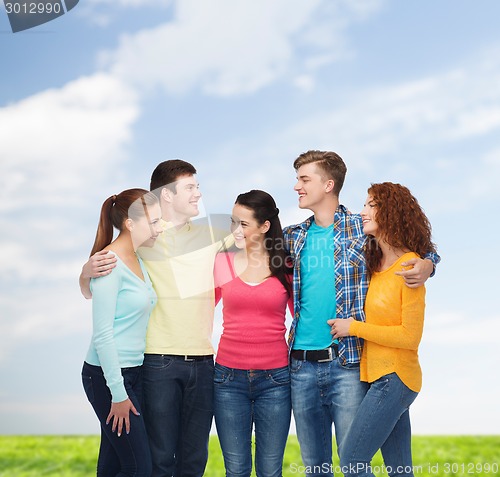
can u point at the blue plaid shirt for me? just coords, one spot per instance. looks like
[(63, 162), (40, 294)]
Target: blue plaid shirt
[(351, 279)]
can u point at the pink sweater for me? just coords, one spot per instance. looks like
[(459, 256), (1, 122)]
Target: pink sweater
[(254, 329)]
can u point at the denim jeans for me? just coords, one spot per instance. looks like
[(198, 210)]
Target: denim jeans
[(382, 422), (323, 393), (127, 455), (247, 398), (178, 411)]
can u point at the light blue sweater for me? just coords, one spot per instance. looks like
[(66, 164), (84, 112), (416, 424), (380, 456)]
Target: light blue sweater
[(121, 305)]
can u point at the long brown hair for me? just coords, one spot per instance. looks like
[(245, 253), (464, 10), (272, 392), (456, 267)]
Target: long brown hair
[(129, 204), (401, 222), (264, 208)]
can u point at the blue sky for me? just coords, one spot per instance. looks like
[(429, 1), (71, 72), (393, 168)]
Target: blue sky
[(89, 103)]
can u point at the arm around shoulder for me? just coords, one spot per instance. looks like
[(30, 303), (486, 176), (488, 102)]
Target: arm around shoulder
[(98, 265), (422, 269)]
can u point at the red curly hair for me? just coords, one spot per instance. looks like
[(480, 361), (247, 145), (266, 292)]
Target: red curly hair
[(401, 223)]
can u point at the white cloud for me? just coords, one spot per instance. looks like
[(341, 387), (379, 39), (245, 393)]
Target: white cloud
[(304, 82), (411, 132), (443, 405), (25, 263), (386, 120), (63, 139), (423, 128), (457, 354), (60, 149), (457, 374), (227, 48), (45, 321), (459, 328), (42, 311), (492, 158)]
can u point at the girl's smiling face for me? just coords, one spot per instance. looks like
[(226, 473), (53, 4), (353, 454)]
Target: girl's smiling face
[(368, 214), (245, 228)]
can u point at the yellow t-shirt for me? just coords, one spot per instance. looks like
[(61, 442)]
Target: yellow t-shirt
[(393, 328), (180, 265)]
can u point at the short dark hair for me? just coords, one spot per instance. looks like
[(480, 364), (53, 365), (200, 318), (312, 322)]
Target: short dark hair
[(168, 172), (329, 163)]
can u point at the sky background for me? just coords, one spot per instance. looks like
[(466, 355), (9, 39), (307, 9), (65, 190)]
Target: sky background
[(91, 102)]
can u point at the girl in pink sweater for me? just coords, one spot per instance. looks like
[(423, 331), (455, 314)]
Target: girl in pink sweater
[(252, 381)]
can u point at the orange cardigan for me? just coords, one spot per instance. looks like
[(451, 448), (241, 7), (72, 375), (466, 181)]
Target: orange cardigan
[(393, 328)]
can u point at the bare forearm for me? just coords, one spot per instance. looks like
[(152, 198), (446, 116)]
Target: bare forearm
[(85, 286)]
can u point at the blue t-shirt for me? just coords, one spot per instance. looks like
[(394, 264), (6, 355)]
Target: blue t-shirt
[(121, 305), (317, 289)]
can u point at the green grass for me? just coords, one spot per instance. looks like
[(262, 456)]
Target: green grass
[(75, 456)]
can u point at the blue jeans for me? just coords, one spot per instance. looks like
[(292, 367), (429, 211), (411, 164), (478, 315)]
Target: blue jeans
[(382, 422), (127, 455), (178, 411), (242, 399), (322, 394)]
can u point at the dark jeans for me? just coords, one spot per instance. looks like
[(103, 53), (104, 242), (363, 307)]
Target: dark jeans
[(178, 411), (127, 455)]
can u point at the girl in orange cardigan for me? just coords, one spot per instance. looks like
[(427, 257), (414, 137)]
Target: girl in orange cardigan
[(397, 230)]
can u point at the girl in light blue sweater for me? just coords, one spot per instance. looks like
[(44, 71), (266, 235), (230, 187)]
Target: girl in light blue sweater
[(121, 304)]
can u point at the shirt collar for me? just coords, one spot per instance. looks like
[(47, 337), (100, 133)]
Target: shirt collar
[(307, 223), (170, 228)]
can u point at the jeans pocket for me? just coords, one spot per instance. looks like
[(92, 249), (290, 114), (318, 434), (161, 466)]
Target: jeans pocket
[(384, 384), (279, 376), (295, 365), (88, 387), (221, 374), (156, 362)]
